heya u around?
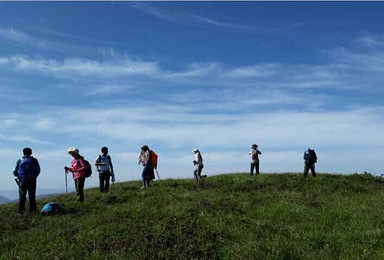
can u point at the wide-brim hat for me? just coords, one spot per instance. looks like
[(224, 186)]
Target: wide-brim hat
[(254, 146), (73, 150), (195, 150)]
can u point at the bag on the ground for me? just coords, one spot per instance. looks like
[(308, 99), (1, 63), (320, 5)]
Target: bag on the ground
[(154, 158), (52, 207)]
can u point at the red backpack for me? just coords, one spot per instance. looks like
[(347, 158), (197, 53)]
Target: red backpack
[(154, 158)]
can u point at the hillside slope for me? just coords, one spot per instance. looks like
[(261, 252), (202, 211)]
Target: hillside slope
[(232, 216)]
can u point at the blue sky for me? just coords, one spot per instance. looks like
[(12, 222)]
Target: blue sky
[(178, 75)]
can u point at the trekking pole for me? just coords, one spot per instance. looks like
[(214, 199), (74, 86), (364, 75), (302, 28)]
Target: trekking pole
[(66, 183), (21, 191), (158, 176)]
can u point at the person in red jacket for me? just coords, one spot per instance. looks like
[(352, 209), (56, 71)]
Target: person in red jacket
[(77, 168)]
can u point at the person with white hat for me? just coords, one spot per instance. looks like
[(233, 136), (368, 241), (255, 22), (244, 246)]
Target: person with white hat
[(78, 167), (254, 156), (198, 162)]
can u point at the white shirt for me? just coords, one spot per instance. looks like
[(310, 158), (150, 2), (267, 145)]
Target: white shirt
[(105, 163)]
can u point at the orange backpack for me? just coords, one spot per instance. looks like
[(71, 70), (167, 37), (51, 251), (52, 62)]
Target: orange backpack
[(154, 158)]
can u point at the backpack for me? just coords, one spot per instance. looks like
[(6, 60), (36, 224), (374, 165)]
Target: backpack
[(200, 157), (88, 170), (255, 156), (154, 158), (52, 207), (313, 156)]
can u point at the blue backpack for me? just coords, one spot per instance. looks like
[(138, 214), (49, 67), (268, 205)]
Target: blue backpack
[(52, 207)]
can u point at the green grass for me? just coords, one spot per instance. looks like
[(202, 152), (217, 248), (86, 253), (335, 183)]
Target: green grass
[(234, 216)]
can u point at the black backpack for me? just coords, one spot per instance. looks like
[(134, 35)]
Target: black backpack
[(313, 156), (88, 171)]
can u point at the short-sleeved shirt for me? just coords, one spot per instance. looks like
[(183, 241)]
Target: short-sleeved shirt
[(105, 160)]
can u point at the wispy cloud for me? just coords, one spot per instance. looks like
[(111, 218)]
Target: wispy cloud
[(224, 138), (326, 128), (81, 67), (22, 139), (194, 70), (231, 26), (106, 90), (370, 41), (193, 19), (257, 71), (17, 36)]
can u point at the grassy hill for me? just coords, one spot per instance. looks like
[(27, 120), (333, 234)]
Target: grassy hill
[(235, 216)]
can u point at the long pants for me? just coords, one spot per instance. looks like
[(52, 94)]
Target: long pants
[(104, 178), (144, 175), (197, 172), (79, 185), (307, 167), (30, 187), (253, 166)]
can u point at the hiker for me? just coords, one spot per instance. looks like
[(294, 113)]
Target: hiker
[(26, 171), (104, 166), (78, 167), (198, 162), (145, 158), (255, 162), (310, 158)]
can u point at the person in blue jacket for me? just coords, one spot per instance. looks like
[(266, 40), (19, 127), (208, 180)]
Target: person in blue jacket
[(26, 171)]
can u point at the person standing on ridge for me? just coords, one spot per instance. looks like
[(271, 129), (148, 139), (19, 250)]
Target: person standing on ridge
[(254, 156), (78, 167), (198, 162), (310, 158), (104, 166), (26, 171), (145, 158)]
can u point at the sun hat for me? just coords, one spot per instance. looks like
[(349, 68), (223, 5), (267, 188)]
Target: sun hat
[(254, 146), (73, 150), (195, 150)]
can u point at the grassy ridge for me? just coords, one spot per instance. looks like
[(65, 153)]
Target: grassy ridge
[(272, 216)]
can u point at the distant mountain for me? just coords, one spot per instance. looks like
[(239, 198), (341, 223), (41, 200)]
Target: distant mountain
[(13, 195), (4, 200)]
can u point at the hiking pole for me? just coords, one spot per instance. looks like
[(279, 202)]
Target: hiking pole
[(66, 182), (158, 176), (21, 191)]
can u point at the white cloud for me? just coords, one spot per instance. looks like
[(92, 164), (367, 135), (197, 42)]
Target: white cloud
[(193, 19), (106, 90), (224, 139), (178, 126), (14, 35), (257, 71), (22, 139), (80, 67), (370, 41), (194, 70)]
